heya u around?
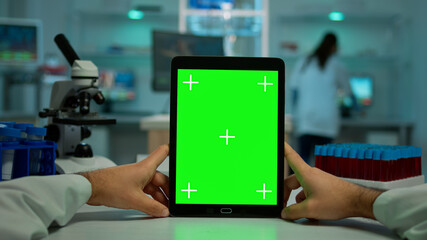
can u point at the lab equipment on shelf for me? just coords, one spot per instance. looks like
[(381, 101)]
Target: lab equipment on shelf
[(371, 165), (24, 152)]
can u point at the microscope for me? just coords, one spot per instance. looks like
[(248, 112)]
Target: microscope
[(69, 114)]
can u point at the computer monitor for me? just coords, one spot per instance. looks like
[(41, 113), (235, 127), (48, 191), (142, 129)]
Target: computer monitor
[(117, 85), (20, 42), (362, 88), (167, 45)]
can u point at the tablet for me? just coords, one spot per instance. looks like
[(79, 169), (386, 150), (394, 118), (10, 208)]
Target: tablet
[(226, 136)]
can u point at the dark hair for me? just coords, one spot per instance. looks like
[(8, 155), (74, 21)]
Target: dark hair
[(323, 51)]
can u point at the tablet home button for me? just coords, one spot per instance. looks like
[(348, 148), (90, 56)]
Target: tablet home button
[(226, 210)]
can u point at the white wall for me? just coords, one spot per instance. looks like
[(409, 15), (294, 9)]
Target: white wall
[(418, 90), (4, 8), (401, 89)]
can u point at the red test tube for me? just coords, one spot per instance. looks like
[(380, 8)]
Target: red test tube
[(332, 161), (324, 158), (367, 166), (345, 165), (317, 156), (360, 174), (418, 153), (339, 160), (352, 160), (376, 165), (387, 156)]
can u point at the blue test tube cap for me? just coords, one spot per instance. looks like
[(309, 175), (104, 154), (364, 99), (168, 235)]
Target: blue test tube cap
[(345, 152), (36, 131), (401, 153), (331, 150), (387, 155), (361, 153), (352, 153), (317, 150), (10, 132), (324, 150), (369, 153), (338, 152), (418, 152), (377, 154), (405, 152)]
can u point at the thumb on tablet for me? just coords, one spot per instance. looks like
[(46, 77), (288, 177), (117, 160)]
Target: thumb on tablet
[(157, 157), (295, 211), (150, 206)]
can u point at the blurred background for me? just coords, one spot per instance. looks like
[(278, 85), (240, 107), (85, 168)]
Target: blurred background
[(381, 43)]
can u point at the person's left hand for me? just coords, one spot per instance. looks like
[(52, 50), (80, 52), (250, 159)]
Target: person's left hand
[(126, 186)]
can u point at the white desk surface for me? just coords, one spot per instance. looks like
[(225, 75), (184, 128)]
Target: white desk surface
[(98, 222)]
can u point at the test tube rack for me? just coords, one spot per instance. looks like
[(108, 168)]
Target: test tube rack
[(376, 166), (21, 160)]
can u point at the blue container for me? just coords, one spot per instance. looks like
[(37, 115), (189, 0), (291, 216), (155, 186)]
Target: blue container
[(16, 154)]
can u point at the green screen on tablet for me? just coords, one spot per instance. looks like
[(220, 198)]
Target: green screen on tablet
[(227, 137)]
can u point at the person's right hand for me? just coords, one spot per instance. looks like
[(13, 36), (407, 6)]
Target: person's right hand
[(324, 196), (126, 186)]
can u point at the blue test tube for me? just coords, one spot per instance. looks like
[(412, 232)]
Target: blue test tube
[(8, 138), (35, 137)]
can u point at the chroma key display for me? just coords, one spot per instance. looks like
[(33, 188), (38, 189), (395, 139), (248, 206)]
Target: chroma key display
[(226, 135)]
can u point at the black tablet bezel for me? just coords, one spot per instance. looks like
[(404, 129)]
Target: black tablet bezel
[(226, 63)]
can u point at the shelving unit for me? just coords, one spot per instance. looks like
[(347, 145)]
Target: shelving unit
[(365, 36), (258, 13), (388, 60)]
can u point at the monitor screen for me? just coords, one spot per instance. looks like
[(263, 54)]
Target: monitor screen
[(167, 45), (361, 87), (234, 160), (117, 85), (20, 41)]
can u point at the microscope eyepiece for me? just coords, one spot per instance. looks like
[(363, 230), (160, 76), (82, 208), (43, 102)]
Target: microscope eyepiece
[(99, 98), (66, 48)]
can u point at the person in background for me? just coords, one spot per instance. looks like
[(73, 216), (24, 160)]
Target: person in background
[(314, 83)]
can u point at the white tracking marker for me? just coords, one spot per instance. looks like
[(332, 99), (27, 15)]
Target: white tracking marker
[(226, 137), (263, 191), (265, 83), (189, 190), (191, 82)]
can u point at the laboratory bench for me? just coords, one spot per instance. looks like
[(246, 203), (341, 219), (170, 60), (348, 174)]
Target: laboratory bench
[(99, 222), (387, 131)]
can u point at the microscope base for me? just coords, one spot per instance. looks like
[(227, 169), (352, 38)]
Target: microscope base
[(75, 164)]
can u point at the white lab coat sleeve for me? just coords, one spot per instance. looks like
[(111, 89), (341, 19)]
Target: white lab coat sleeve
[(296, 71), (404, 211), (29, 205)]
